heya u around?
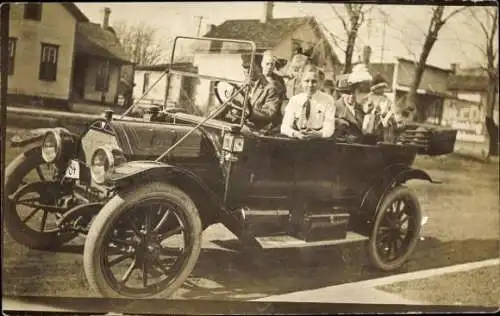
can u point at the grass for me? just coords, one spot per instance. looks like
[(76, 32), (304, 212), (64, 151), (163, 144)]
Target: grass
[(463, 227), (478, 287)]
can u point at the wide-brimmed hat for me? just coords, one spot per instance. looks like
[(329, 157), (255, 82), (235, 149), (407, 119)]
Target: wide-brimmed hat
[(378, 83), (328, 83), (343, 84)]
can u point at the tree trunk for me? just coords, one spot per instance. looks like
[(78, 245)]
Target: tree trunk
[(418, 111), (491, 127), (351, 39), (411, 104)]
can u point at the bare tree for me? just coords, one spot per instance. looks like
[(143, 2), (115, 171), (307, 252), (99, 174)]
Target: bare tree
[(140, 42), (438, 20), (488, 23), (352, 19)]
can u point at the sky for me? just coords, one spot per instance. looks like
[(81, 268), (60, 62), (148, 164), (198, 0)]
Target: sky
[(402, 35)]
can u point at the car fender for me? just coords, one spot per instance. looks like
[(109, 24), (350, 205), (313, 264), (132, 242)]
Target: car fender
[(392, 176), (33, 138), (130, 174)]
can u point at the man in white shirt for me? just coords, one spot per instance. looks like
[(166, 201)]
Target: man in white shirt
[(310, 114)]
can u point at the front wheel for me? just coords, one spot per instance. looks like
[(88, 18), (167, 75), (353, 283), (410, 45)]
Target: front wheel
[(31, 217), (144, 242), (396, 229)]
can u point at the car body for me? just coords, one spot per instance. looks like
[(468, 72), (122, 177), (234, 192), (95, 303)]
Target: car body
[(211, 171)]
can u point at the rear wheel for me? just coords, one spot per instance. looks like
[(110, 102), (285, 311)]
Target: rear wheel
[(30, 218), (143, 242), (396, 229)]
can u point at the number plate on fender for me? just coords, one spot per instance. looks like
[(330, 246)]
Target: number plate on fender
[(73, 170)]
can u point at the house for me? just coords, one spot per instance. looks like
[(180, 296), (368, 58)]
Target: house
[(58, 57), (282, 36), (468, 111), (150, 84), (431, 93)]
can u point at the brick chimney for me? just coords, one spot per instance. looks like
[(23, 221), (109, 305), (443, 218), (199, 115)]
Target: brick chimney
[(210, 27), (367, 52), (267, 12), (105, 22), (454, 67)]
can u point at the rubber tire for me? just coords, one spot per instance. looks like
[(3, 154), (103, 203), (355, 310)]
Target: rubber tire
[(105, 218), (14, 173), (375, 259)]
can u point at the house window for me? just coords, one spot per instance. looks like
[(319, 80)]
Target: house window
[(145, 83), (12, 54), (33, 11), (48, 62), (102, 78)]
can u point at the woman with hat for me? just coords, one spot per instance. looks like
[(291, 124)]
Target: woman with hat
[(380, 117)]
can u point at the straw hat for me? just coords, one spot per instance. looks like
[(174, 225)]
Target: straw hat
[(378, 83)]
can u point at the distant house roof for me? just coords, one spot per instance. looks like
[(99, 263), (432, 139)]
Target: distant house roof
[(265, 35), (75, 11), (426, 65), (468, 83), (94, 40)]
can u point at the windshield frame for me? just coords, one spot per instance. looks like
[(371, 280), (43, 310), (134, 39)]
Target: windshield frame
[(243, 84)]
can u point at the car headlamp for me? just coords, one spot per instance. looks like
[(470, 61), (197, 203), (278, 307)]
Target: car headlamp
[(51, 146), (103, 160), (233, 143)]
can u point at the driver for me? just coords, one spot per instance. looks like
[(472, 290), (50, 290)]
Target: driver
[(310, 114), (265, 98)]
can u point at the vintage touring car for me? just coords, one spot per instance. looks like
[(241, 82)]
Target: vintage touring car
[(142, 190)]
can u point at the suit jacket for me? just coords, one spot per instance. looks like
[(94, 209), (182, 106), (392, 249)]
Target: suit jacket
[(266, 99), (355, 121)]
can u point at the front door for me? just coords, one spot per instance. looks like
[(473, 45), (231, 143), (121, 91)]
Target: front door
[(79, 72)]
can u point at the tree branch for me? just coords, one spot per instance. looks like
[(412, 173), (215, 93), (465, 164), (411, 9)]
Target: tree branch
[(454, 12), (341, 18)]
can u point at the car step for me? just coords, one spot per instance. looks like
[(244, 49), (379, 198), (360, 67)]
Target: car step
[(287, 241)]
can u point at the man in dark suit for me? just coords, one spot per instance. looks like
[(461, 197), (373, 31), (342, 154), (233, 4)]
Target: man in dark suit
[(266, 97), (349, 112)]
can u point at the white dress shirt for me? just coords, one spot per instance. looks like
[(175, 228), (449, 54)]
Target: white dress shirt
[(321, 117)]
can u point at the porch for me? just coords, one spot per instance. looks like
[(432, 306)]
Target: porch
[(97, 66)]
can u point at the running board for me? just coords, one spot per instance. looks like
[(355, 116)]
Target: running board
[(287, 241)]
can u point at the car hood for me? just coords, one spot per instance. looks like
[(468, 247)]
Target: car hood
[(148, 140)]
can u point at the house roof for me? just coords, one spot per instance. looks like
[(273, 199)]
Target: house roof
[(426, 65), (92, 39), (75, 11), (163, 67), (264, 35), (468, 83)]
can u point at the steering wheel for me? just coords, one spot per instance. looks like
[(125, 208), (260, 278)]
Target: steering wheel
[(223, 91)]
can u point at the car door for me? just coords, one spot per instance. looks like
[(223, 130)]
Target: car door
[(264, 172)]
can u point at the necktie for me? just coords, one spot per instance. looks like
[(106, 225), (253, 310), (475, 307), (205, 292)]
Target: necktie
[(306, 112), (307, 106)]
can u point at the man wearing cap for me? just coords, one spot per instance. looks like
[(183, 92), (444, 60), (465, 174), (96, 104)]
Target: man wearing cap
[(310, 114)]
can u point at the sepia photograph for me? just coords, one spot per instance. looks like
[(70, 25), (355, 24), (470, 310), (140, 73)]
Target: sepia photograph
[(257, 157)]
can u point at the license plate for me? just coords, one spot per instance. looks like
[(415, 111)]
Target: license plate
[(73, 170)]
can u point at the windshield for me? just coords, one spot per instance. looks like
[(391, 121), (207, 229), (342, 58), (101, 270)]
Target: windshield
[(203, 73)]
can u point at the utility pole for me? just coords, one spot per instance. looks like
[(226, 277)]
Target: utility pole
[(382, 48), (200, 18)]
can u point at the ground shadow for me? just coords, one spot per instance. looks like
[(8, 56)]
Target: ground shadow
[(231, 275), (238, 276)]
